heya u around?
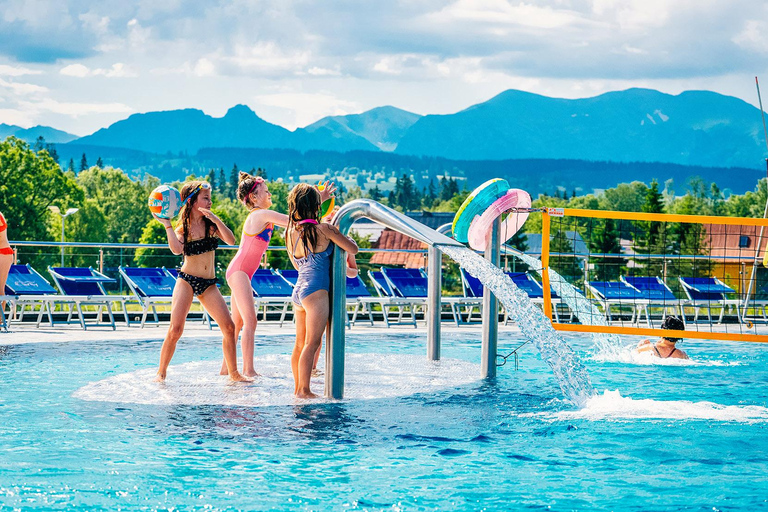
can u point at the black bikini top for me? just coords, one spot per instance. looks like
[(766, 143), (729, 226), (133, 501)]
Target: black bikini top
[(201, 246)]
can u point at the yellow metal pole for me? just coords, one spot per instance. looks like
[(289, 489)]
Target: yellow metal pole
[(545, 264)]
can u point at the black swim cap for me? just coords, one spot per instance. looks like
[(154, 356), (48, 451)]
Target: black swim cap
[(673, 323)]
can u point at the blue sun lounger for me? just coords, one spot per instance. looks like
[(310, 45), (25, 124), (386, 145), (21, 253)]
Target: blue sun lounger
[(708, 292), (150, 287), (29, 288), (389, 301), (413, 284), (620, 294), (271, 290), (84, 287), (658, 295)]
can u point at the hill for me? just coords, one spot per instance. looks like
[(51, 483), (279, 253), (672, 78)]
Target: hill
[(637, 125), (30, 135)]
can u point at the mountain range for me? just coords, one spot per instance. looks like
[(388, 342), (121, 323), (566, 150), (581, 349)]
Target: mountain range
[(635, 125), (30, 135)]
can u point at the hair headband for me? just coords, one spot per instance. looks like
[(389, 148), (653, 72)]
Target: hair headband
[(308, 221), (203, 185)]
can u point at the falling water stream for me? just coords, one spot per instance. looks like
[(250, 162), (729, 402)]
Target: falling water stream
[(565, 364), (582, 308)]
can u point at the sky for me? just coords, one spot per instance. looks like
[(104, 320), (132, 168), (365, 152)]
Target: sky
[(80, 65)]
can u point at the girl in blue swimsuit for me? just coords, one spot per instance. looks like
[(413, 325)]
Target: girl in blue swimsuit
[(310, 243)]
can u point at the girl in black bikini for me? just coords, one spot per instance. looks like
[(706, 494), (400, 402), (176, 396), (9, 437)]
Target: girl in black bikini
[(665, 347), (197, 238)]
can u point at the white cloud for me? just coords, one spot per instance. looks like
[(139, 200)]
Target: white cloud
[(77, 70), (22, 89), (204, 67), (118, 70), (75, 109), (18, 117), (501, 12), (754, 36), (6, 70), (267, 58)]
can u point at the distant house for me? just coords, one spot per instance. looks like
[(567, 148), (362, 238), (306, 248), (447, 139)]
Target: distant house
[(733, 248)]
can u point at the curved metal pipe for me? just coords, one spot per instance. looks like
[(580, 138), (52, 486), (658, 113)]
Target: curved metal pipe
[(343, 220)]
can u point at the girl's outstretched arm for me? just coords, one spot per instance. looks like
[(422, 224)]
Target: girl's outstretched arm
[(276, 218), (177, 247), (344, 242), (224, 232)]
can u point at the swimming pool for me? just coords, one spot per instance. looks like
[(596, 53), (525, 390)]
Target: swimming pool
[(511, 444)]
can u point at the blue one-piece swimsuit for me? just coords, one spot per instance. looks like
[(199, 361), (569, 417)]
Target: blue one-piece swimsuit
[(314, 272)]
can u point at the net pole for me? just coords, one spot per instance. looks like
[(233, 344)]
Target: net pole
[(545, 229), (751, 284)]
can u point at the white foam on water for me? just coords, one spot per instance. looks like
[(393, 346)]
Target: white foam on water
[(367, 376), (629, 355), (612, 406)]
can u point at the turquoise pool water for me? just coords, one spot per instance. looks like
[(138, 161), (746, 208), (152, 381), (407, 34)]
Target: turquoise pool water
[(665, 437)]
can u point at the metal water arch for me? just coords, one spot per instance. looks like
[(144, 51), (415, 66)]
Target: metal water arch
[(377, 212)]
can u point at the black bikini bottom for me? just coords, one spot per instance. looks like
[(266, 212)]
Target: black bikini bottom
[(198, 284)]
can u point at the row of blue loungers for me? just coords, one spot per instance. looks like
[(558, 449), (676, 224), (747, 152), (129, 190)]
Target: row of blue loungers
[(400, 294), (644, 293)]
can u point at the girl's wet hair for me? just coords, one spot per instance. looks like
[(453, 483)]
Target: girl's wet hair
[(304, 204), (246, 184), (673, 323), (192, 188)]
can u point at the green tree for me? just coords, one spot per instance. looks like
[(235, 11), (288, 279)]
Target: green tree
[(604, 239), (83, 163), (651, 237), (99, 163), (234, 179), (121, 200), (29, 183)]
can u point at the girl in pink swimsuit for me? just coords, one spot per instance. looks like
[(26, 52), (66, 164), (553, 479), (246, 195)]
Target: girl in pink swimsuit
[(252, 191)]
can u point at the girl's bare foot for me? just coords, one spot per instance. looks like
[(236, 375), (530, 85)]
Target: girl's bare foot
[(251, 373), (316, 372), (159, 377), (237, 377), (306, 394), (223, 370)]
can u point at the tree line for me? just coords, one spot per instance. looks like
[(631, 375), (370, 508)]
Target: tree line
[(113, 208)]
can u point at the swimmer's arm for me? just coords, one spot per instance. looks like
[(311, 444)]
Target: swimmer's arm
[(174, 240), (344, 242)]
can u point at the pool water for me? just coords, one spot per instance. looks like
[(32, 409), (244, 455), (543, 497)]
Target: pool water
[(667, 436)]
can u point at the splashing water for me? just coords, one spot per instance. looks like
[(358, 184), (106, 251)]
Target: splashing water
[(565, 364), (583, 309)]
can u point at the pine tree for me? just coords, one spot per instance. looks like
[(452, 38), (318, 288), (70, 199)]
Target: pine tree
[(234, 179), (83, 163), (375, 193), (39, 144), (223, 183), (71, 167), (651, 237), (212, 178), (99, 163), (261, 172)]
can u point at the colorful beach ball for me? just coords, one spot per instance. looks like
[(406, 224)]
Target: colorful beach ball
[(165, 202)]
